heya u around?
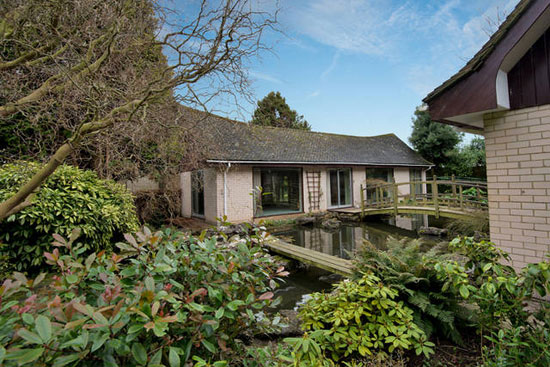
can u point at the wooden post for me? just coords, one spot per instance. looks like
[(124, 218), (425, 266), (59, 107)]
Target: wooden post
[(461, 197), (362, 194), (395, 199), (413, 192), (453, 188), (435, 195)]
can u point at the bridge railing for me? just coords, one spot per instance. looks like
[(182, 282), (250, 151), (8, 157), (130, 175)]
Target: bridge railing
[(436, 193)]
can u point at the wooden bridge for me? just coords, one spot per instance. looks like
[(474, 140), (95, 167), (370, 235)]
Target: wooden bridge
[(318, 259), (439, 197)]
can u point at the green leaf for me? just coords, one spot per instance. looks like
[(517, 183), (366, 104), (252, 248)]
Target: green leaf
[(211, 348), (65, 360), (464, 291), (2, 354), (29, 336), (219, 313), (139, 353), (98, 343), (30, 355), (156, 359), (71, 278), (173, 358), (44, 328)]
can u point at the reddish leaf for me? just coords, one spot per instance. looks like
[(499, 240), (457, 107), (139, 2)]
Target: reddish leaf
[(149, 325), (93, 326), (266, 295)]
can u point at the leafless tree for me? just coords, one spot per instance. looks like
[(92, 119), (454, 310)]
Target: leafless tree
[(107, 73)]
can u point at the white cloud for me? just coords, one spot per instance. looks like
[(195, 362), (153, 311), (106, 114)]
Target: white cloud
[(314, 94), (331, 67), (264, 76)]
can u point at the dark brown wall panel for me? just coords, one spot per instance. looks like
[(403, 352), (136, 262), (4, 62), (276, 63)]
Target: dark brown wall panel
[(529, 79)]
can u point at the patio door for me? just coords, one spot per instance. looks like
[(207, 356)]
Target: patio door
[(340, 187), (197, 194)]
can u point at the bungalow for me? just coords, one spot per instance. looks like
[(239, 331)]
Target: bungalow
[(255, 172), (503, 92)]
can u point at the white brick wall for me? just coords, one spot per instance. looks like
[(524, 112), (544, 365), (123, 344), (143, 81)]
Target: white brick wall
[(518, 175)]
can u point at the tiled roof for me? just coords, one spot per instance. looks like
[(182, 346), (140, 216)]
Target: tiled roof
[(479, 58), (228, 140)]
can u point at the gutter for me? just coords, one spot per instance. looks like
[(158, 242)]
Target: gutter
[(228, 162), (225, 188)]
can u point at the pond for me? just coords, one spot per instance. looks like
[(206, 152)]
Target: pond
[(342, 243)]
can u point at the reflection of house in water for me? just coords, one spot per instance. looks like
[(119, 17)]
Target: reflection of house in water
[(343, 242)]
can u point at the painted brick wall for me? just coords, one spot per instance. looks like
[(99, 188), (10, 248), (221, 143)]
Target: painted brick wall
[(518, 174), (239, 187), (211, 185), (185, 182)]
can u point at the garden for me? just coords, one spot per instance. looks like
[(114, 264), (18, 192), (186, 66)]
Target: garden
[(83, 285)]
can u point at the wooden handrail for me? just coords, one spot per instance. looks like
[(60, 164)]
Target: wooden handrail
[(387, 195)]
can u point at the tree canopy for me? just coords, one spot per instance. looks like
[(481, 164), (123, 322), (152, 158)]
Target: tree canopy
[(440, 144), (273, 110), (432, 140), (96, 79)]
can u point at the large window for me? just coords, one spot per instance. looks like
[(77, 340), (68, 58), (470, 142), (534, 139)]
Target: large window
[(415, 176), (281, 191), (197, 193), (377, 176), (340, 187)]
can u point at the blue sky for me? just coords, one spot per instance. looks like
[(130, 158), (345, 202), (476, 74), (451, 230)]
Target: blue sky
[(361, 67)]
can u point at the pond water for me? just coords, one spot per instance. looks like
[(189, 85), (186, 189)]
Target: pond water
[(342, 243)]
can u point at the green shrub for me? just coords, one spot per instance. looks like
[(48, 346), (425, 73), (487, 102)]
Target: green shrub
[(515, 334), (163, 300), (410, 271), (361, 318), (70, 198)]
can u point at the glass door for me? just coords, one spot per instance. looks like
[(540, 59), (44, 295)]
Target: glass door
[(197, 193), (340, 187)]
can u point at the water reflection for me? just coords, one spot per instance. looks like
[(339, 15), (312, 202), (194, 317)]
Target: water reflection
[(343, 241)]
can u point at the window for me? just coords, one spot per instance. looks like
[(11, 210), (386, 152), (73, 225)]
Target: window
[(281, 191), (415, 174), (377, 176), (340, 187)]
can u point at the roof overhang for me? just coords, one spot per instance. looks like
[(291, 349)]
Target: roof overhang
[(373, 164), (485, 90)]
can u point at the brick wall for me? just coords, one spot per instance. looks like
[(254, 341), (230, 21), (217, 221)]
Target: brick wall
[(518, 175), (240, 203)]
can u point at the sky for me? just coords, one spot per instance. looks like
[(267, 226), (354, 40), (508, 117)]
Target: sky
[(360, 67)]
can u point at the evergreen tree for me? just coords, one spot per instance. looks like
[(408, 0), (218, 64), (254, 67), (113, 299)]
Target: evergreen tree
[(273, 110), (432, 140)]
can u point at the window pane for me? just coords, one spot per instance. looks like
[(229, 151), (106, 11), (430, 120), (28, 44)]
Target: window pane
[(281, 190), (345, 190)]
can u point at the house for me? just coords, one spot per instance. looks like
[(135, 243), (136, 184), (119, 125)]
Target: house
[(253, 172), (503, 92)]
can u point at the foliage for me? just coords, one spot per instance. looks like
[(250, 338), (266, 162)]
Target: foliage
[(273, 110), (501, 296), (468, 160), (165, 298), (410, 271), (70, 198), (475, 223), (156, 207), (432, 140), (361, 318), (87, 81)]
